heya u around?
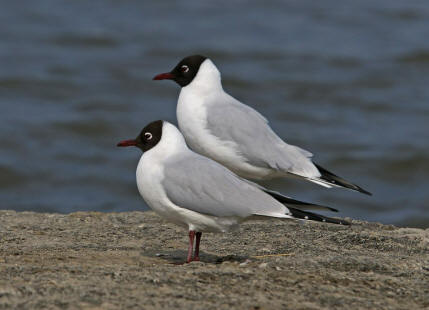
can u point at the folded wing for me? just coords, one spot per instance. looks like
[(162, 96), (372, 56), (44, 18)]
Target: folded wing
[(232, 121), (199, 184)]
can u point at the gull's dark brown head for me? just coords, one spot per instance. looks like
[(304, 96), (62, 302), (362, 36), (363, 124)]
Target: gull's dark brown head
[(148, 137), (185, 71)]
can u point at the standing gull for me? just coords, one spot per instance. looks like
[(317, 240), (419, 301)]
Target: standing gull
[(219, 126), (200, 194)]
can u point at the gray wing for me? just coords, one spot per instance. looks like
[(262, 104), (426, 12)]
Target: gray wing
[(230, 120), (202, 185)]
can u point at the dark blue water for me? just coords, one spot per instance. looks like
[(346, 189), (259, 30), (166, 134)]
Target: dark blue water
[(347, 80)]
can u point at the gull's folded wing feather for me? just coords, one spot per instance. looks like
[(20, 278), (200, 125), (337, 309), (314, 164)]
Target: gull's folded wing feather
[(230, 120), (199, 184)]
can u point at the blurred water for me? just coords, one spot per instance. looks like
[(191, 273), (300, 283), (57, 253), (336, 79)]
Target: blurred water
[(347, 80)]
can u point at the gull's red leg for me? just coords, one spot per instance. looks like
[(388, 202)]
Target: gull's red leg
[(197, 246), (191, 245)]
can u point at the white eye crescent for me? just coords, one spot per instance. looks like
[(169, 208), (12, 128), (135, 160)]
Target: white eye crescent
[(148, 135), (184, 68)]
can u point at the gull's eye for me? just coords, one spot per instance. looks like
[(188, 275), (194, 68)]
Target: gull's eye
[(184, 68), (148, 135)]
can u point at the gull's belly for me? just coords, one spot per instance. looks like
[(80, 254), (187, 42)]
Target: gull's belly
[(150, 188), (188, 219)]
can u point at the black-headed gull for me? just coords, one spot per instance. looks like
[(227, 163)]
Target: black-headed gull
[(200, 194), (218, 126)]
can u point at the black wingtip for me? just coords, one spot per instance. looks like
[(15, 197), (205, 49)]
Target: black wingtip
[(305, 215), (360, 189), (296, 203), (335, 180)]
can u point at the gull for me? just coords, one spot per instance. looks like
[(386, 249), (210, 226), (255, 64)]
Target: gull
[(222, 128), (200, 194)]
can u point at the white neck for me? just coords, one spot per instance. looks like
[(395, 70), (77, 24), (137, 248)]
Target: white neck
[(207, 79), (172, 141)]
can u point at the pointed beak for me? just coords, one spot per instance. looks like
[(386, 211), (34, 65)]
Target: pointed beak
[(164, 76), (127, 143)]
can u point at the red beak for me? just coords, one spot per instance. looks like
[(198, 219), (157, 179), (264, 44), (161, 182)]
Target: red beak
[(127, 143), (164, 76)]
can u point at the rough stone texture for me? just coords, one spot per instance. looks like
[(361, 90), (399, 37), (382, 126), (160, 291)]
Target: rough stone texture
[(130, 260)]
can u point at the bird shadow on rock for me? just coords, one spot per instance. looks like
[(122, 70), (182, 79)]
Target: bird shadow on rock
[(178, 257)]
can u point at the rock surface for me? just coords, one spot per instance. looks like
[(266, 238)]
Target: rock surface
[(130, 260)]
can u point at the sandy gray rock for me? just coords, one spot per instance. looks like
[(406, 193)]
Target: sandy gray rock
[(91, 260)]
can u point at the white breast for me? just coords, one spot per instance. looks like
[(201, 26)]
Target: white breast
[(149, 177), (192, 120)]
